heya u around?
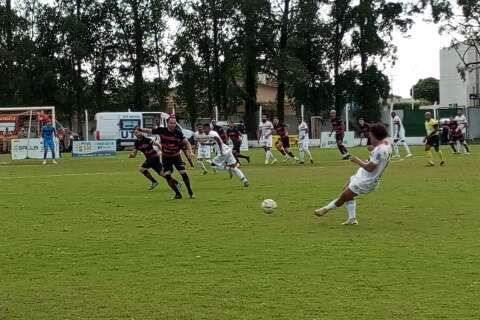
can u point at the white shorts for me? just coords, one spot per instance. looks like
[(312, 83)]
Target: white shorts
[(203, 152), (360, 187), (303, 145), (226, 159), (266, 142)]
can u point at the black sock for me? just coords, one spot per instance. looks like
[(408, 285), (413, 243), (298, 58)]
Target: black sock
[(172, 183), (342, 149), (291, 154), (186, 180), (466, 147), (149, 176), (453, 147), (282, 152)]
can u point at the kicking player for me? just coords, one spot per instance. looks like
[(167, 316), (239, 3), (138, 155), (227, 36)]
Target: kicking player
[(173, 141), (462, 126), (48, 135), (265, 139), (304, 142), (364, 131), (236, 137), (432, 140), (224, 161), (367, 177), (399, 136), (152, 161), (283, 144), (339, 128), (202, 148)]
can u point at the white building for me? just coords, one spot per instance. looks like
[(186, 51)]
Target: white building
[(454, 91)]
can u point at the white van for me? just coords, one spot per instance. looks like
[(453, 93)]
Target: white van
[(119, 125)]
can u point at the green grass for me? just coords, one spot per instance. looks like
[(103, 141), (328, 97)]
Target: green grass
[(85, 240)]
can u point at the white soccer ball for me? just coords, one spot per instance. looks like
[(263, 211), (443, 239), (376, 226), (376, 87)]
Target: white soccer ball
[(269, 205)]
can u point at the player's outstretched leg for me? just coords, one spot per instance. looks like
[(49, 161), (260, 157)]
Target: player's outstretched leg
[(396, 151), (202, 166), (347, 197), (186, 180), (174, 185), (148, 175), (407, 149), (236, 171)]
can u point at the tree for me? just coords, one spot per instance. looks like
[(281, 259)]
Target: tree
[(427, 89)]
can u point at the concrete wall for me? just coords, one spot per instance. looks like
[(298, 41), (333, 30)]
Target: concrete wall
[(453, 89)]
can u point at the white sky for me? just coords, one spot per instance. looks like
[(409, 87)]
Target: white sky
[(417, 56)]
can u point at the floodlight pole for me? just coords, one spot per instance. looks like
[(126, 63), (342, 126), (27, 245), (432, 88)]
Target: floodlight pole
[(86, 125)]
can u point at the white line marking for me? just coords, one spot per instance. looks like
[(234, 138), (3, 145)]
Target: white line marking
[(65, 175)]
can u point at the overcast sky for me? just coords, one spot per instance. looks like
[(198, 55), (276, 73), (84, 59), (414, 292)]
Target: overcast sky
[(418, 56)]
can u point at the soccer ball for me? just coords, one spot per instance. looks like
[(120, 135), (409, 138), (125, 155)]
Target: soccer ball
[(269, 205)]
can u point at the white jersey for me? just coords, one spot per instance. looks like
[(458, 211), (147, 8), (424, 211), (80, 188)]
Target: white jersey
[(397, 125), (266, 130), (201, 139), (303, 132), (225, 149), (379, 156), (462, 122)]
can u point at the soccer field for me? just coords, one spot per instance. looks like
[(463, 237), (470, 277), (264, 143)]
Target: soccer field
[(85, 240)]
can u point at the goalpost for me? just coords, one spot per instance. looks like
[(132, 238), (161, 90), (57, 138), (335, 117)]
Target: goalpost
[(24, 140)]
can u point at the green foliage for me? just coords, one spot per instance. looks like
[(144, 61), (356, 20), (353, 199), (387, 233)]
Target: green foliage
[(427, 89)]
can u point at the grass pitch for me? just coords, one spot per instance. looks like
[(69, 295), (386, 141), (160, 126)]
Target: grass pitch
[(86, 240)]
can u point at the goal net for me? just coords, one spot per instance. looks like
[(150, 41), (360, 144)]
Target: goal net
[(20, 131)]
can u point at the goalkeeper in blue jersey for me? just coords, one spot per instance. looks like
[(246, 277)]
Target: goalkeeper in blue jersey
[(48, 135)]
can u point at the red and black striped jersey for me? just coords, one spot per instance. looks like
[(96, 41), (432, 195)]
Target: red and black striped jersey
[(281, 129), (221, 132), (365, 129), (171, 141), (234, 134), (337, 125), (145, 145)]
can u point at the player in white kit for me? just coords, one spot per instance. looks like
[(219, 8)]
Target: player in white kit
[(462, 125), (265, 139), (367, 177), (202, 148), (399, 136), (225, 160), (303, 142)]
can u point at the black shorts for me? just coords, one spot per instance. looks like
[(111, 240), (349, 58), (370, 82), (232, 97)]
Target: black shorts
[(339, 137), (236, 146), (285, 142), (369, 141), (170, 162), (153, 163), (434, 141), (460, 138)]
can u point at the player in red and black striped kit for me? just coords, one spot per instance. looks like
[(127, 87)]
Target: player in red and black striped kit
[(339, 128), (173, 142), (236, 137), (221, 132), (152, 160), (283, 144), (364, 131), (456, 135)]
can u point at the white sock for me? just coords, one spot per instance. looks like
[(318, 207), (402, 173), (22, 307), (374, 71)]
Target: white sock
[(406, 147), (270, 155), (202, 165), (331, 205), (351, 208), (239, 173), (302, 156), (218, 168), (395, 149), (309, 154)]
